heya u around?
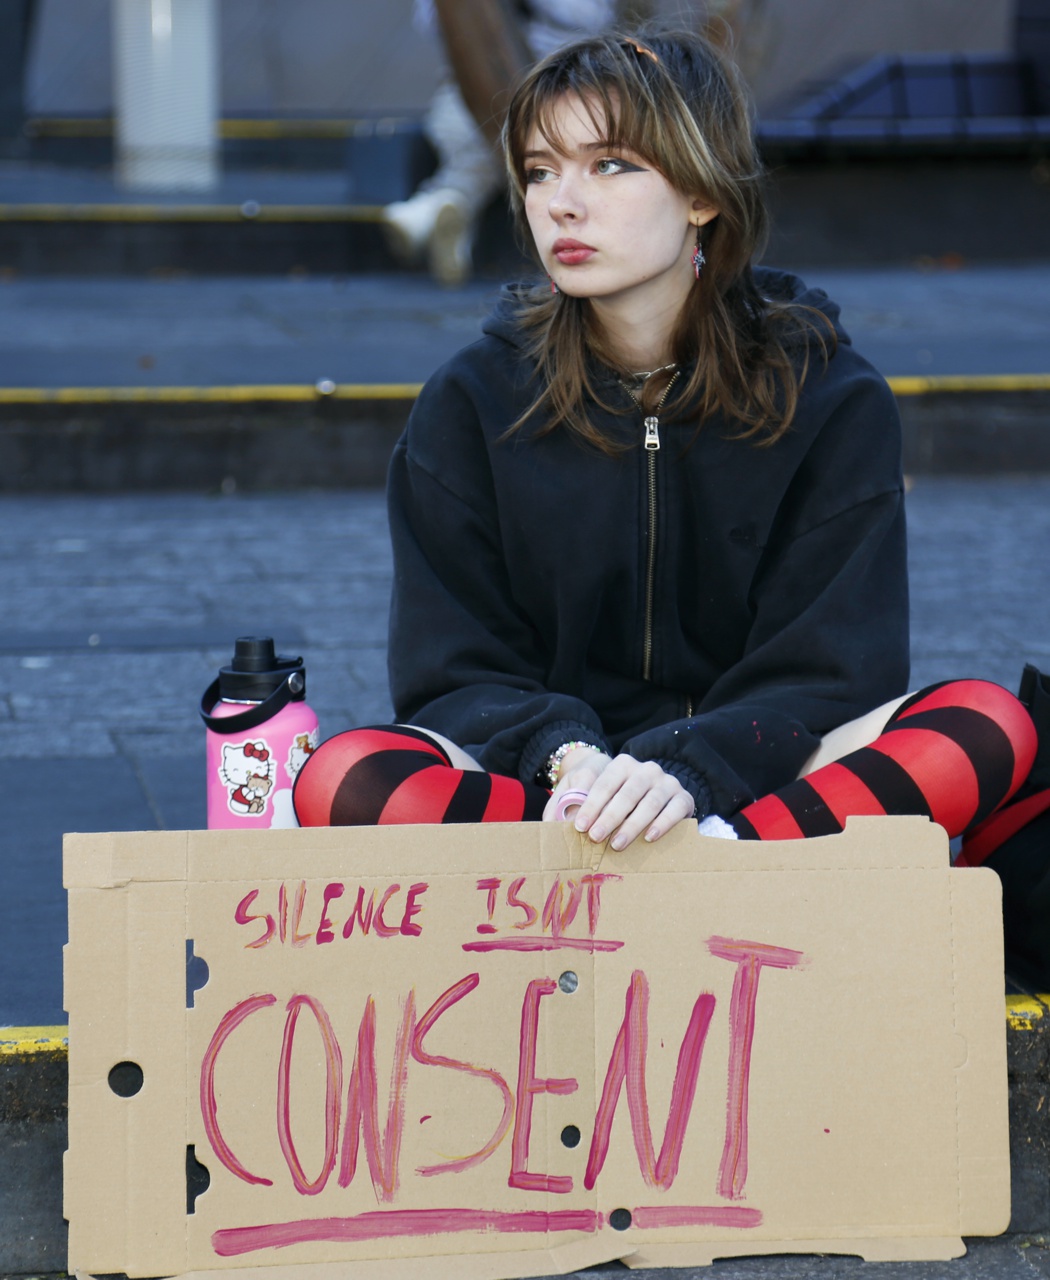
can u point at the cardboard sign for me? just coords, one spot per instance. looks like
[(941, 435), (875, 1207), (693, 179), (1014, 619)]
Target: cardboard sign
[(491, 1045)]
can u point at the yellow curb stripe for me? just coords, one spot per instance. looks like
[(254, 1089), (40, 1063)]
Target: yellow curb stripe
[(409, 391), (970, 382), (1023, 1012), (24, 1040), (381, 126), (210, 395), (190, 212), (233, 127)]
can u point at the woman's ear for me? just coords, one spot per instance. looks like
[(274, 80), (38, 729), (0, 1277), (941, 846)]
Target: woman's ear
[(702, 212)]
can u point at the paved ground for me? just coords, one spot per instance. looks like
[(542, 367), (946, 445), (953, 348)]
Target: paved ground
[(118, 611), (200, 331)]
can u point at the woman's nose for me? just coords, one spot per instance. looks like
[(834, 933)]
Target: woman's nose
[(565, 200)]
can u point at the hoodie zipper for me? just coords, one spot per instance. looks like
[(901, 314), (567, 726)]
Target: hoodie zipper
[(651, 441)]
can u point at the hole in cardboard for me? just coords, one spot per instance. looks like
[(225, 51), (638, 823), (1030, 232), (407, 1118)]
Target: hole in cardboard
[(568, 982), (125, 1079), (620, 1219), (196, 973), (198, 1179), (570, 1136)]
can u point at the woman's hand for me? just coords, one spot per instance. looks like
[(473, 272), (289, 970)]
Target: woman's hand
[(626, 797)]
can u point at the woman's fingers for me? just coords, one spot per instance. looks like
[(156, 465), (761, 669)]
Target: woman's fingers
[(579, 772), (615, 794), (676, 810), (632, 798)]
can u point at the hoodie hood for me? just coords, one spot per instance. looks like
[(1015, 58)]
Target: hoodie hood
[(778, 286)]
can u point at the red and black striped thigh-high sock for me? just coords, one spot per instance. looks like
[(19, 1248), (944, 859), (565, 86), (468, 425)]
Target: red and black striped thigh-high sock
[(392, 773), (1029, 804), (954, 751)]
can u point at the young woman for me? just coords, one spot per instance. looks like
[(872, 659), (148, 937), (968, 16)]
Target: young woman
[(648, 531)]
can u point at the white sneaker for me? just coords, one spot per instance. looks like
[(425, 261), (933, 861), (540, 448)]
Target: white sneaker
[(436, 224)]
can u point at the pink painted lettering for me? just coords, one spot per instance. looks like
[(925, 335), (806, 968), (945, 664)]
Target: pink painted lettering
[(393, 1223), (490, 887), (441, 1005), (528, 1086), (627, 1064), (750, 958), (242, 917), (209, 1106), (412, 908), (324, 929), (333, 1095), (299, 939), (514, 899), (361, 914), (362, 1109), (383, 930)]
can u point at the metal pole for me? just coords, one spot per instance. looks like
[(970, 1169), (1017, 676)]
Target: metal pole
[(166, 93), (16, 19)]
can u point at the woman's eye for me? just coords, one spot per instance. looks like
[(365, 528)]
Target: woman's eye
[(609, 165), (537, 175)]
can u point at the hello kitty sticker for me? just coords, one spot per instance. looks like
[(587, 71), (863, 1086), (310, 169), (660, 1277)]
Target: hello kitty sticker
[(248, 772), (303, 746)]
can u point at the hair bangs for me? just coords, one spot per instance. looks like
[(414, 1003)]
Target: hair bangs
[(613, 92)]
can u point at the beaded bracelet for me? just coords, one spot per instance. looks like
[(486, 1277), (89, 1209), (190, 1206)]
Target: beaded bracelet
[(552, 768)]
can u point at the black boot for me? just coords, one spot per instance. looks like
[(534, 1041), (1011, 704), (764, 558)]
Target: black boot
[(1035, 694), (1023, 861)]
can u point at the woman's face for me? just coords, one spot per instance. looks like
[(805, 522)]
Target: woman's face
[(607, 225)]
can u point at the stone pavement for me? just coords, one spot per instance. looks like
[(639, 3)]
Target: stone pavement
[(119, 611)]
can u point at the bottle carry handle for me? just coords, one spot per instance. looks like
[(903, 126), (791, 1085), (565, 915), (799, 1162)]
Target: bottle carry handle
[(256, 714)]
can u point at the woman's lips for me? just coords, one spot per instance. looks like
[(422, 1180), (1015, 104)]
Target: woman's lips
[(572, 252)]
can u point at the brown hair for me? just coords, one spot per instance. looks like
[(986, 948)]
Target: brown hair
[(677, 102)]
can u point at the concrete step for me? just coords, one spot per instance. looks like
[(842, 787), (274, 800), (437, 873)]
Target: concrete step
[(333, 435), (33, 1111), (60, 219)]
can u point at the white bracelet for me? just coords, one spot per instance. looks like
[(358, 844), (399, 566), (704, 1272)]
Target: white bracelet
[(552, 768)]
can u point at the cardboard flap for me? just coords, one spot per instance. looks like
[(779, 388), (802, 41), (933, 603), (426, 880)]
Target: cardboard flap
[(385, 1044)]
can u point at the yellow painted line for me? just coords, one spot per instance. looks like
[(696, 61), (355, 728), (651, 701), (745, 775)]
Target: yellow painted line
[(70, 127), (1023, 1012), (409, 391), (259, 212), (378, 391), (212, 395), (970, 382), (233, 127), (332, 128), (23, 1040)]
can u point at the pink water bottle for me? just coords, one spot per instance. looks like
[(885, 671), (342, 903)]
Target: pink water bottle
[(259, 734)]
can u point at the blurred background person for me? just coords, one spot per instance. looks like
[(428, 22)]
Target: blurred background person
[(488, 44)]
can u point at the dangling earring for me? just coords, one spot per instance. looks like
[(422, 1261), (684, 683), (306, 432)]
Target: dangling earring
[(698, 256), (554, 287)]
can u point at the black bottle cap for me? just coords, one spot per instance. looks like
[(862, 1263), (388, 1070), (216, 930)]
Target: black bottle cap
[(257, 670)]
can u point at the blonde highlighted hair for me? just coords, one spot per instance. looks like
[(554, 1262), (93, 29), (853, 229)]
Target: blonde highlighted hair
[(677, 102)]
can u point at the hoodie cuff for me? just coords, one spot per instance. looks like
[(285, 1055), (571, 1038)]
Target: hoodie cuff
[(695, 783), (548, 739)]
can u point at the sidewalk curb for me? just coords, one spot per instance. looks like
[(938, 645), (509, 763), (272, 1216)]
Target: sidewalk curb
[(105, 439), (34, 1082)]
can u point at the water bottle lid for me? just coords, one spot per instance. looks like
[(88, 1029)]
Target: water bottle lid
[(257, 670)]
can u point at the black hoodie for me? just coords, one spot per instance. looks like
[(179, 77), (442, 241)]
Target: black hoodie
[(714, 606)]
